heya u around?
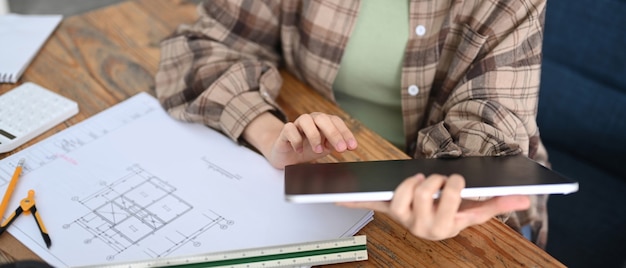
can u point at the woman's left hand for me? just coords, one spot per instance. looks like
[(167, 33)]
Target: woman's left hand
[(414, 207)]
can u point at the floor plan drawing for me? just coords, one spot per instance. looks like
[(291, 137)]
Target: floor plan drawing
[(133, 209), (132, 183)]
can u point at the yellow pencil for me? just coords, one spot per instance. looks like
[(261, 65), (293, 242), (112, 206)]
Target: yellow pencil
[(9, 192)]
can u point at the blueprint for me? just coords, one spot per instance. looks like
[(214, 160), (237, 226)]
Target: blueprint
[(131, 183)]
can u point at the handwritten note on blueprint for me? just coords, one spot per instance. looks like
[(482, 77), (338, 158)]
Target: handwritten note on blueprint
[(131, 183)]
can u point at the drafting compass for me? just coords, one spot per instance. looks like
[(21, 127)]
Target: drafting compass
[(27, 205)]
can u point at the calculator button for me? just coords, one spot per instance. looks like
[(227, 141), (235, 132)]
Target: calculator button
[(29, 110)]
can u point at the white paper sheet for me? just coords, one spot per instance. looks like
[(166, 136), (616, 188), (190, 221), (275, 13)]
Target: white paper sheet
[(22, 37), (131, 183)]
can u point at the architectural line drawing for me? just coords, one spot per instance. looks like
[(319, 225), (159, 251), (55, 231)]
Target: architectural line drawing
[(131, 211), (112, 199), (72, 139), (220, 170)]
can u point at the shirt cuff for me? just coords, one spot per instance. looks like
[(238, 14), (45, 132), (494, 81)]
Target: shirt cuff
[(242, 109)]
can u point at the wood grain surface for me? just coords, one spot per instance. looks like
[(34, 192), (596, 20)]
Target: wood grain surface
[(105, 56)]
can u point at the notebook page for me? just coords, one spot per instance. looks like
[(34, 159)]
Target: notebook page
[(22, 37)]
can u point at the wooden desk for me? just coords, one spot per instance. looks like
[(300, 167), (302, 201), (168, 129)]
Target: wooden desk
[(103, 57)]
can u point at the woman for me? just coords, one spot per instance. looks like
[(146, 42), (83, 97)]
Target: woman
[(436, 78)]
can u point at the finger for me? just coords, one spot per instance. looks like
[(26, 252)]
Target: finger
[(291, 135), (381, 206), (402, 200), (330, 131), (448, 206), (308, 126), (423, 203), (403, 194), (347, 135), (477, 212)]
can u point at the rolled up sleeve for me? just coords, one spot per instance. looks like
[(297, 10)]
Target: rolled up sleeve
[(222, 71)]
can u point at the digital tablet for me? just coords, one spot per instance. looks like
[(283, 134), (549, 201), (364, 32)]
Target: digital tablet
[(377, 180)]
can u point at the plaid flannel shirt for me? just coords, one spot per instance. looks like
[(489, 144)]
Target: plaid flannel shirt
[(470, 76)]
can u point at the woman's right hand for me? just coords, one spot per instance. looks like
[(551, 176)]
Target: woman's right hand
[(309, 137)]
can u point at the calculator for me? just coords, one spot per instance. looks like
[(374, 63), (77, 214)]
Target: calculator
[(29, 110)]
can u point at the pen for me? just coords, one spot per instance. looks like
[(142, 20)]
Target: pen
[(12, 183)]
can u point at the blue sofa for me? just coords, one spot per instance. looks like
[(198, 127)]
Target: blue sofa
[(582, 120)]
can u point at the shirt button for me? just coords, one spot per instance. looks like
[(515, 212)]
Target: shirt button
[(420, 30), (413, 90)]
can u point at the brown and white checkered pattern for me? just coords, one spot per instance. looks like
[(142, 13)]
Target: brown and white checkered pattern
[(476, 65)]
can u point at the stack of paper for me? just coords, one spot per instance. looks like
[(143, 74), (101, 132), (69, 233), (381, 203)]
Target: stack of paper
[(131, 184), (22, 37)]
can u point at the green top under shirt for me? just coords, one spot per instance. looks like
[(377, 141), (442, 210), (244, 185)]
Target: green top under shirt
[(368, 83)]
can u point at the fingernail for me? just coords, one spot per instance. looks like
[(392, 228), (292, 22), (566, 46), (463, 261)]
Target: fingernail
[(319, 149), (351, 143), (341, 146)]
